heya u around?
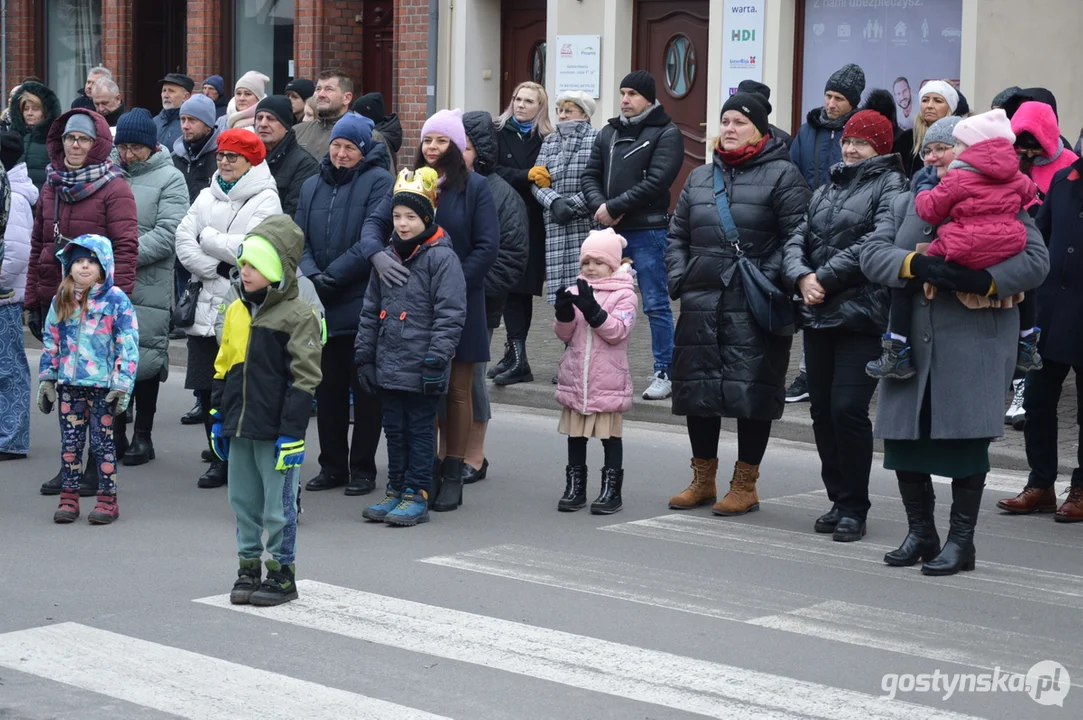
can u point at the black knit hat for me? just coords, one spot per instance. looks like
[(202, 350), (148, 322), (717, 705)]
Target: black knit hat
[(758, 89), (11, 149), (279, 106), (371, 105), (418, 203), (642, 82), (751, 106), (304, 88), (848, 81)]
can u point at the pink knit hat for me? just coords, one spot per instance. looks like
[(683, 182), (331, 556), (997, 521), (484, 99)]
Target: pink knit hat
[(986, 126), (447, 122), (604, 246)]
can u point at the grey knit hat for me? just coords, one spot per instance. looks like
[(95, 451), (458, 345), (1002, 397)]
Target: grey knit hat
[(941, 131), (1003, 96), (848, 81)]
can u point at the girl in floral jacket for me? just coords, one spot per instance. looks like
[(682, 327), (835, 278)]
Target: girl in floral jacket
[(91, 350)]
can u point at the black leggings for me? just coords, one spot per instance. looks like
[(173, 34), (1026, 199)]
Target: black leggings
[(752, 437), (614, 452), (518, 314)]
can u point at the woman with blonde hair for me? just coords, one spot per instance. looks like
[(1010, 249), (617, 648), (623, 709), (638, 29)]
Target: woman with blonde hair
[(936, 99), (520, 131)]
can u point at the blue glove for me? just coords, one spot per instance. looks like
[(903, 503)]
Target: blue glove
[(433, 379), (290, 452), (925, 179), (219, 443)]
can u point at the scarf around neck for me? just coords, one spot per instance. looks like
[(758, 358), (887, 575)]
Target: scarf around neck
[(225, 185), (828, 124), (743, 153), (76, 185), (524, 128), (1043, 160), (636, 119)]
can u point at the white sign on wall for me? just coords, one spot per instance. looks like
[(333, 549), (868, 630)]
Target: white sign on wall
[(742, 43), (579, 64)]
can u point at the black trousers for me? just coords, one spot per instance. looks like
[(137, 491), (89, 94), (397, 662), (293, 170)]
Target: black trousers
[(1040, 400), (518, 314), (839, 395), (145, 401), (339, 453), (752, 437)]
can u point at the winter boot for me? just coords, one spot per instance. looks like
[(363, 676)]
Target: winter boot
[(922, 541), (105, 512), (450, 496), (360, 483), (278, 587), (895, 363), (1028, 358), (88, 486), (120, 443), (575, 489), (413, 509), (68, 510), (504, 363), (609, 500), (379, 511), (701, 491), (437, 481), (248, 581), (216, 476), (742, 497), (519, 370), (141, 451), (53, 486), (958, 552)]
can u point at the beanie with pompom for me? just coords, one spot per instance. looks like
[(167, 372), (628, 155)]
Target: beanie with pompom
[(605, 246)]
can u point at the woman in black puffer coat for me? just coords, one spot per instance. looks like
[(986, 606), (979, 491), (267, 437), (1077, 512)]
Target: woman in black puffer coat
[(724, 364), (844, 314)]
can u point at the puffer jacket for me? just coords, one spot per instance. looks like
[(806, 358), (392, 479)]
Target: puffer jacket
[(168, 125), (98, 348), (161, 200), (331, 212), (982, 195), (400, 327), (843, 215), (290, 166), (817, 149), (1040, 120), (17, 234), (197, 170), (35, 147), (593, 374), (110, 212), (724, 364), (212, 230), (268, 366), (632, 168)]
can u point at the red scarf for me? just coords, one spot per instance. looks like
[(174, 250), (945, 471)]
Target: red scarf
[(743, 153)]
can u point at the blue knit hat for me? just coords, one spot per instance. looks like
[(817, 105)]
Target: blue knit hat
[(355, 128), (201, 108), (217, 83), (136, 127)]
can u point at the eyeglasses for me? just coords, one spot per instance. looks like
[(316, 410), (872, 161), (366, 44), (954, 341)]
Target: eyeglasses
[(81, 140), (936, 151), (127, 149), (1028, 153), (855, 143), (227, 157)]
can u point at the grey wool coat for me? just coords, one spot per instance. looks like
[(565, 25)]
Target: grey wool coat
[(968, 356), (161, 201)]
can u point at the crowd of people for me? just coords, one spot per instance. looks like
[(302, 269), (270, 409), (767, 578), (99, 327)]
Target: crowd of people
[(250, 226)]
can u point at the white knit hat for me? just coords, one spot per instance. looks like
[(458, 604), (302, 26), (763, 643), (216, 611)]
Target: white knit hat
[(254, 81), (943, 89)]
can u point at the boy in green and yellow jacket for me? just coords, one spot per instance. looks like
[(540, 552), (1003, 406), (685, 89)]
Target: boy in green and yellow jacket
[(266, 374)]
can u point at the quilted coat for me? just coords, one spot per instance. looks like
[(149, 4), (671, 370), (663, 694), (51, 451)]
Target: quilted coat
[(593, 375), (17, 235), (842, 216), (724, 364), (109, 212), (35, 150), (1040, 120), (516, 154), (982, 195)]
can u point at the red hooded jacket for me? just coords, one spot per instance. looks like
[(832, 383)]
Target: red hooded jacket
[(1040, 120), (982, 200)]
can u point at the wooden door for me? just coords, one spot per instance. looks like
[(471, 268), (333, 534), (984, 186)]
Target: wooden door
[(522, 45), (160, 43), (377, 53), (671, 43)]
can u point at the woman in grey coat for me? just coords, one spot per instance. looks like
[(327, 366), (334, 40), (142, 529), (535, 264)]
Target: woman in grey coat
[(965, 349)]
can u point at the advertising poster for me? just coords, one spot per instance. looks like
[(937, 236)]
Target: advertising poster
[(579, 64), (899, 44), (742, 43)]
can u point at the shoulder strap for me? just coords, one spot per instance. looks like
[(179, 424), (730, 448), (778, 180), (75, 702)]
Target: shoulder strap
[(729, 227)]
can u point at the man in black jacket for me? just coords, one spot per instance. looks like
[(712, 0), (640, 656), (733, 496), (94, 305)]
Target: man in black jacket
[(635, 160), (290, 163)]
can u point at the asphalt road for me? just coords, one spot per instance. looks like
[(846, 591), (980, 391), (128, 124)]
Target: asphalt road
[(508, 609)]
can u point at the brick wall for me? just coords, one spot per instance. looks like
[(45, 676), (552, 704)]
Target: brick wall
[(19, 27), (328, 34), (204, 45), (117, 42), (411, 72)]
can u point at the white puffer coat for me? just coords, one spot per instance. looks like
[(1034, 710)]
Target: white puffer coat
[(17, 235)]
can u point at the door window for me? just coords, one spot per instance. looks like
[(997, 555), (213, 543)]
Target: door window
[(263, 40), (680, 56), (74, 45), (537, 63)]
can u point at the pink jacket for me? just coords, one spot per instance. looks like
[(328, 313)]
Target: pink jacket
[(982, 199), (1040, 120), (594, 375)]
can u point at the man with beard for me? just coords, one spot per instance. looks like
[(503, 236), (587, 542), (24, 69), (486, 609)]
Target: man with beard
[(903, 100), (334, 93), (176, 88)]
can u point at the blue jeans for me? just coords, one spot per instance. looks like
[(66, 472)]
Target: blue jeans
[(647, 250), (411, 438)]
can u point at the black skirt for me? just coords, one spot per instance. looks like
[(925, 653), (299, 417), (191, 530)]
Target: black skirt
[(202, 352)]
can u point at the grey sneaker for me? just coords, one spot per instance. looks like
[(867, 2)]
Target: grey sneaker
[(1015, 413), (661, 387)]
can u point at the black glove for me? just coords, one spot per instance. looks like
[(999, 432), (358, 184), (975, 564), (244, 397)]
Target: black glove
[(33, 323), (565, 305), (561, 211), (587, 305), (433, 379), (924, 267), (966, 280), (325, 285), (366, 377)]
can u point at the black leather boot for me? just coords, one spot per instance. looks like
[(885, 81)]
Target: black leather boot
[(216, 476), (437, 481), (360, 484), (141, 451), (471, 474), (503, 364), (958, 552), (609, 501), (575, 489), (450, 495), (519, 370), (194, 416), (922, 541), (88, 485), (326, 480), (53, 486), (827, 522)]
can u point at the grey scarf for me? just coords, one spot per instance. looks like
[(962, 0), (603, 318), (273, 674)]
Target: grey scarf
[(636, 119), (837, 124), (1043, 160)]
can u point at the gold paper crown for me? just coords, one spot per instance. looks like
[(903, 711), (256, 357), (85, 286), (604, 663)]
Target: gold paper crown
[(419, 182)]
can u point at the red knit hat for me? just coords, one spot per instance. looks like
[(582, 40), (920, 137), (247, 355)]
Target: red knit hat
[(243, 142), (870, 126)]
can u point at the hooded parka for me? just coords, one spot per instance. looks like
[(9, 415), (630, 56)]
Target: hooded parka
[(35, 148)]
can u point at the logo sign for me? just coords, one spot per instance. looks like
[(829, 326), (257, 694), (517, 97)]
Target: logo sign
[(742, 43), (743, 35)]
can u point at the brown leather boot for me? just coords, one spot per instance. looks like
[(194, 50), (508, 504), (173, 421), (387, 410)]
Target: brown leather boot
[(742, 497), (1029, 501), (1072, 509), (702, 489)]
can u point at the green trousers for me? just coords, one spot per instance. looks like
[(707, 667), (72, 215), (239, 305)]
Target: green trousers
[(263, 499)]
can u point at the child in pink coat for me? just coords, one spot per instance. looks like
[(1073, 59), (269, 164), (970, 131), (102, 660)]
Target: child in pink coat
[(595, 320)]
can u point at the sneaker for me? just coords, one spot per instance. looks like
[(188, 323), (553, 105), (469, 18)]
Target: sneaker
[(6, 293), (413, 509), (277, 588), (661, 387), (68, 510), (895, 363), (379, 511), (248, 581), (798, 389), (1015, 410), (105, 512), (1028, 358)]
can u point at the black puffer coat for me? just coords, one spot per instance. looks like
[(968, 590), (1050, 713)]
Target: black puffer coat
[(290, 166), (516, 154), (724, 364), (842, 215)]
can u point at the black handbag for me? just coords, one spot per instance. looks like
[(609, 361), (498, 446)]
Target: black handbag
[(184, 315), (770, 307)]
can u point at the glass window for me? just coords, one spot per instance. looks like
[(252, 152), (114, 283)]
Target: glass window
[(537, 63), (263, 40), (74, 45), (680, 57)]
